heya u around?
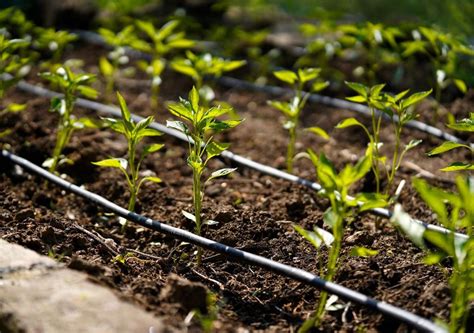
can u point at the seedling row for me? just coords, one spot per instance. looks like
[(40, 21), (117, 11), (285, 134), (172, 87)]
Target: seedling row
[(367, 182)]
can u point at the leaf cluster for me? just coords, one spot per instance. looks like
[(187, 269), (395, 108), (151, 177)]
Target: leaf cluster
[(134, 133), (198, 121)]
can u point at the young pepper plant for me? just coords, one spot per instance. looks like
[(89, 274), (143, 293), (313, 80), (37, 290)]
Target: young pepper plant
[(70, 85), (399, 110), (292, 109), (335, 187), (55, 42), (199, 67), (110, 65), (134, 133), (163, 41), (200, 125), (464, 125), (443, 51), (453, 210)]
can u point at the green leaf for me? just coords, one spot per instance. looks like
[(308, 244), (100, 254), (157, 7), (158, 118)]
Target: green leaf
[(330, 217), (348, 123), (433, 197), (461, 85), (412, 144), (413, 230), (360, 251), (308, 74), (371, 201), (441, 241), (415, 98), (215, 149), (433, 258), (220, 173), (318, 131), (146, 132), (177, 125), (151, 179), (219, 125), (88, 92), (194, 99), (185, 69), (119, 163), (286, 76), (189, 216), (464, 125), (123, 107), (446, 146), (458, 166), (317, 238), (357, 99), (105, 67), (180, 110), (318, 86), (357, 87), (152, 148)]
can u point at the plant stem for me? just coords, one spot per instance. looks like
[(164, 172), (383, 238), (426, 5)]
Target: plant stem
[(375, 154), (332, 265), (197, 202), (395, 159), (290, 154)]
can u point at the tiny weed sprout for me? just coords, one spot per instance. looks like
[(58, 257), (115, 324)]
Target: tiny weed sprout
[(336, 187), (70, 85), (292, 109), (134, 133), (464, 125), (162, 42), (200, 127), (203, 66), (453, 210)]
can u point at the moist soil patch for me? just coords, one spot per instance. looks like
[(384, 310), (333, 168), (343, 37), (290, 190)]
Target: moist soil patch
[(256, 213)]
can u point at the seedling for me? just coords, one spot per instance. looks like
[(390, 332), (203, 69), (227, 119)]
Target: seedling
[(117, 57), (399, 110), (200, 125), (292, 109), (12, 68), (335, 187), (453, 210), (163, 41), (11, 63), (55, 42), (464, 125), (70, 84), (134, 133), (443, 51), (201, 67)]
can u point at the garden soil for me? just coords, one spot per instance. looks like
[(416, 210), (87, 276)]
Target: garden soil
[(255, 213)]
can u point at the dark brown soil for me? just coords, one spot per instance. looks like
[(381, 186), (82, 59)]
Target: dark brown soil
[(255, 213)]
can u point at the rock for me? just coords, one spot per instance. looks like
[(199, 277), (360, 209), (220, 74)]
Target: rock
[(39, 295)]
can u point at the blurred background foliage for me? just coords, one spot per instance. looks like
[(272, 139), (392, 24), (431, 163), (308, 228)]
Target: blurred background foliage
[(455, 16)]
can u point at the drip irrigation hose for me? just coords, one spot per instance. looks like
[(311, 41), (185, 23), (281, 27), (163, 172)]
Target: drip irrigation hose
[(262, 168), (239, 255), (231, 82)]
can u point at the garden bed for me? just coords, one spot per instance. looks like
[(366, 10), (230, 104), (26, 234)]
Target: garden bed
[(255, 213)]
